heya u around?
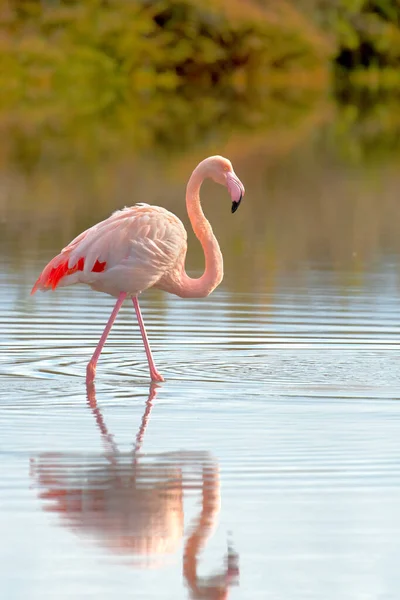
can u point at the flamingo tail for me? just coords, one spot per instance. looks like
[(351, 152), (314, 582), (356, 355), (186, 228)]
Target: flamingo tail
[(59, 268)]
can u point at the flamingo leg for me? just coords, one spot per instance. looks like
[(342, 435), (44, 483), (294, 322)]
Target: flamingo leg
[(91, 368), (145, 419), (154, 374)]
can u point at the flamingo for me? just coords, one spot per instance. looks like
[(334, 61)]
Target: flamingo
[(145, 246)]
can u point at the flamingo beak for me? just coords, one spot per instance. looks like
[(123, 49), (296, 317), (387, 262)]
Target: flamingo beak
[(235, 205), (236, 190)]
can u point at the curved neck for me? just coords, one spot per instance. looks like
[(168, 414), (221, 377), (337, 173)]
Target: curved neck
[(202, 587), (214, 270)]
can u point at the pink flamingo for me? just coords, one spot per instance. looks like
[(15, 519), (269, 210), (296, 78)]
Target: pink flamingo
[(145, 246)]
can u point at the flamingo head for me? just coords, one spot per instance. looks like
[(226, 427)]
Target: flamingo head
[(221, 171)]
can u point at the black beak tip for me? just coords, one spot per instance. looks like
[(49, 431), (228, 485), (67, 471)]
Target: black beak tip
[(235, 205)]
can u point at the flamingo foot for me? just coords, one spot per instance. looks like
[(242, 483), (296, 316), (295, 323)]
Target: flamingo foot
[(90, 372), (156, 376)]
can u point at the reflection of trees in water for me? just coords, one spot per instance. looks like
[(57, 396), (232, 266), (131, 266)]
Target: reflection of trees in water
[(160, 124), (132, 503), (366, 132)]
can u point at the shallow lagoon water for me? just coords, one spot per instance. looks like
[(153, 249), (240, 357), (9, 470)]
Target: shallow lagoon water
[(266, 465)]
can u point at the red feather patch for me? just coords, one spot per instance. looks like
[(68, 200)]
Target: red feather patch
[(62, 270)]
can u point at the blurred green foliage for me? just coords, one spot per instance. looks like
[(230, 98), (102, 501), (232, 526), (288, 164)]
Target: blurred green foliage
[(90, 54), (365, 33), (151, 73), (84, 79)]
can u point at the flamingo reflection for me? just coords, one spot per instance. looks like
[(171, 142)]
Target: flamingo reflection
[(132, 503)]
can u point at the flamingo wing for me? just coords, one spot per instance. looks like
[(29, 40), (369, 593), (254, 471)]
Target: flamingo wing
[(130, 251)]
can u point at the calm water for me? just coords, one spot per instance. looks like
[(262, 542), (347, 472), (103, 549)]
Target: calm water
[(267, 464)]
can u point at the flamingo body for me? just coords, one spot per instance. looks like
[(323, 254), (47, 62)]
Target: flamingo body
[(130, 251), (141, 247)]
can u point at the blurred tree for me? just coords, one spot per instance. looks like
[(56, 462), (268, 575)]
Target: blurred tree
[(366, 33)]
